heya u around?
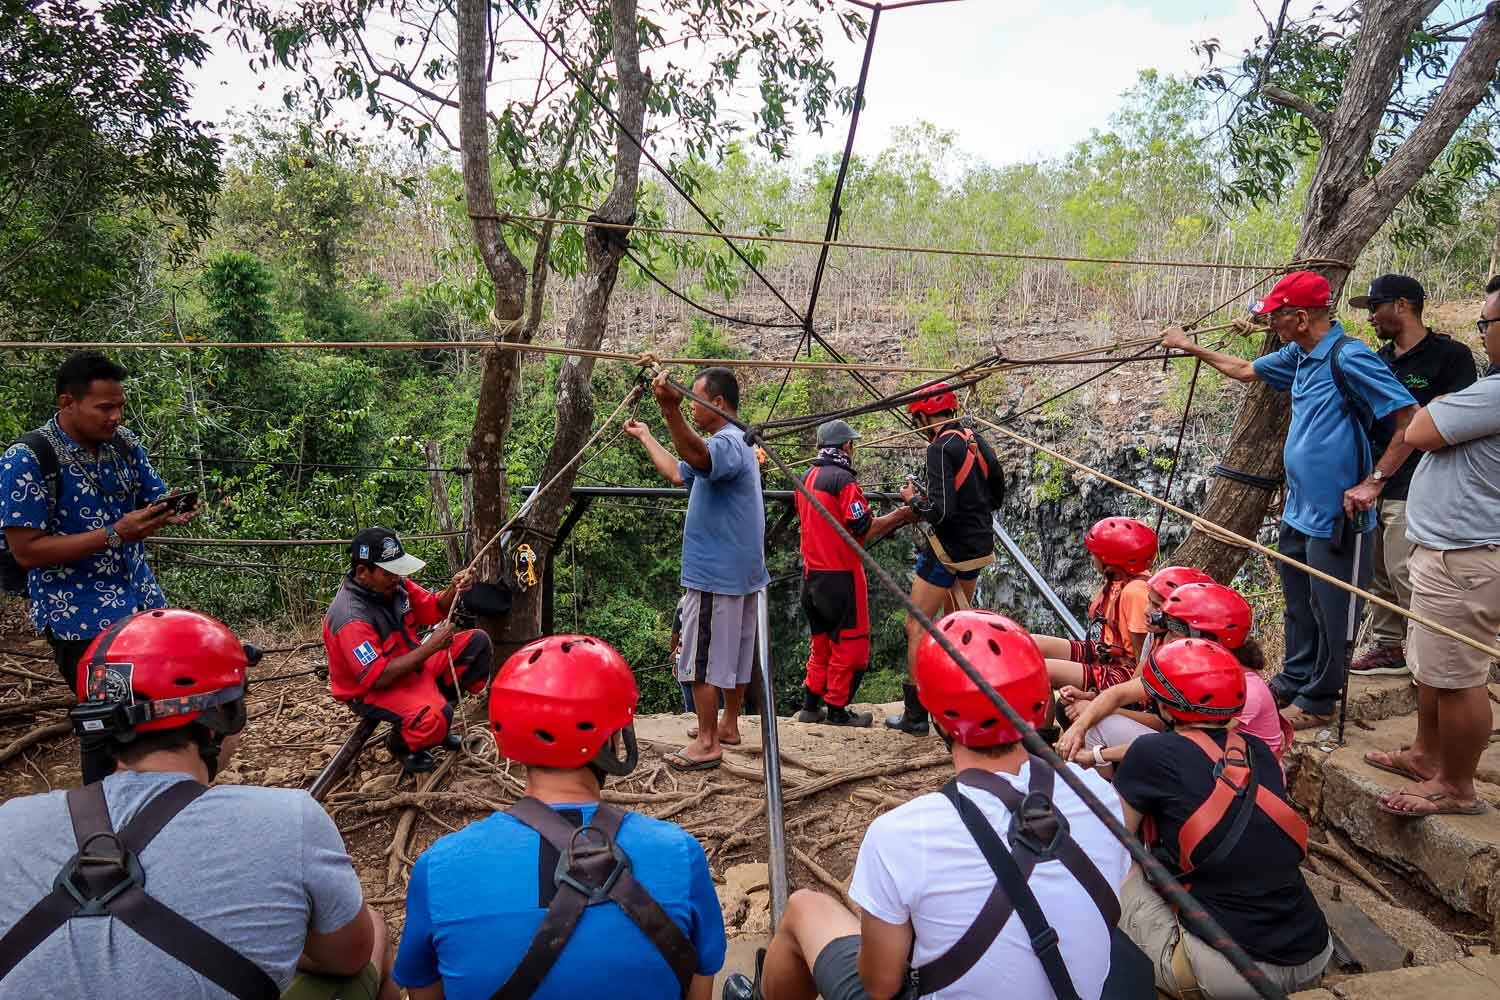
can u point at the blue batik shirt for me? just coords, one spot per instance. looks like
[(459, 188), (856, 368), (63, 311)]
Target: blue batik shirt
[(82, 599), (1326, 452)]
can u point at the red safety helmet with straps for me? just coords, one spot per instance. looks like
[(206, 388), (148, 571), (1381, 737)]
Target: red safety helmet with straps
[(163, 669), (1005, 655), (1195, 680), (1169, 578), (1123, 544), (941, 400), (1212, 611), (559, 701)]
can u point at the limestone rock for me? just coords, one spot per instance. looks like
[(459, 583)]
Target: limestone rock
[(747, 878), (1428, 944), (379, 783), (277, 776), (1464, 979)]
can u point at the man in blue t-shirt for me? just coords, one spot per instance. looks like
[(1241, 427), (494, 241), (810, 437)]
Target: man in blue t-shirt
[(723, 554), (477, 898), (1331, 480)]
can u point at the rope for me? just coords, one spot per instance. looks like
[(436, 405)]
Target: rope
[(682, 297), (457, 470), (251, 543), (1187, 408), (1223, 534), (1306, 263)]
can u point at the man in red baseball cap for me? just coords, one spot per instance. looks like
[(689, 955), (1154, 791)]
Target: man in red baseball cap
[(1341, 395)]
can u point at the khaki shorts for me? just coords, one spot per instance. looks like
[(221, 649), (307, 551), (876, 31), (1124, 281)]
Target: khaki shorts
[(363, 985), (1459, 588)]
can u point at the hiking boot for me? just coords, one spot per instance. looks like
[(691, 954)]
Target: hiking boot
[(1381, 661), (418, 762), (913, 721), (841, 716), (812, 707), (453, 742)]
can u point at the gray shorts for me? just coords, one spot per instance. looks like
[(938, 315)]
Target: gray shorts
[(836, 970), (718, 639)]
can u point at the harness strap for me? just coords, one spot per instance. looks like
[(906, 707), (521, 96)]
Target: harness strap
[(972, 457), (1011, 893), (1234, 782), (590, 872), (115, 887)]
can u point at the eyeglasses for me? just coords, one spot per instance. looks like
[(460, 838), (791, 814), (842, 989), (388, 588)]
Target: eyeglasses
[(1483, 325)]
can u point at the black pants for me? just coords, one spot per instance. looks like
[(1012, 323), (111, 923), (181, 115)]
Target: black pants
[(94, 761)]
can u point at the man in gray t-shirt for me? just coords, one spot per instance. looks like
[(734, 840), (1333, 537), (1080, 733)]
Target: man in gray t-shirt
[(1453, 523), (263, 870)]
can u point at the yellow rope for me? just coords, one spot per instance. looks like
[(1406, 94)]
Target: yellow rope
[(1225, 535)]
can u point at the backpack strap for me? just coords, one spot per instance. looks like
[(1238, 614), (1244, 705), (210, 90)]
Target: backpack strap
[(46, 458), (1037, 833), (100, 882), (591, 869), (1359, 411), (1235, 787)]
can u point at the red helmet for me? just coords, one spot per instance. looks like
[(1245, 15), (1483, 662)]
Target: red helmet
[(559, 700), (938, 402), (1195, 680), (1169, 578), (1212, 611), (1122, 543), (159, 670), (1005, 655)]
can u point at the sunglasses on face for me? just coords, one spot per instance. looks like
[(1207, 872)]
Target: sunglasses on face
[(1483, 325)]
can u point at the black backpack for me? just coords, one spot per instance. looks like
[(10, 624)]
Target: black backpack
[(12, 573)]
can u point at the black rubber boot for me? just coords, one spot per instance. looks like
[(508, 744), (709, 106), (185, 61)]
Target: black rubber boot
[(913, 721), (841, 716), (453, 742), (418, 762), (812, 707), (859, 678)]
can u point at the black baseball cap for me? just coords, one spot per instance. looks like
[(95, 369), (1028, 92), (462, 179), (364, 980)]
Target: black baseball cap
[(377, 546), (1389, 288)]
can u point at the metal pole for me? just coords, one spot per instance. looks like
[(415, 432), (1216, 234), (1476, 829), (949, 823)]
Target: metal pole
[(1359, 544), (1074, 627), (343, 759), (771, 757)]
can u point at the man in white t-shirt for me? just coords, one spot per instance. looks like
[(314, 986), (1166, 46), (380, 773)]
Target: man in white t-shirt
[(922, 878)]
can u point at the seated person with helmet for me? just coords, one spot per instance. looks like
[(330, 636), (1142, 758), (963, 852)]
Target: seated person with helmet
[(1122, 549), (223, 891), (376, 665), (1214, 808), (955, 882), (562, 896), (953, 508), (1104, 727)]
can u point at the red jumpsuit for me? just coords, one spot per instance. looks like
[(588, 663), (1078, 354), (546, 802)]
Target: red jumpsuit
[(833, 582), (363, 631)]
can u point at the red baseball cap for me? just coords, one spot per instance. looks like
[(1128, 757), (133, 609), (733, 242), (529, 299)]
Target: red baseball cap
[(1300, 290)]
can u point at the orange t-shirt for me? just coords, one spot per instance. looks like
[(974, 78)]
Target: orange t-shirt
[(1125, 614)]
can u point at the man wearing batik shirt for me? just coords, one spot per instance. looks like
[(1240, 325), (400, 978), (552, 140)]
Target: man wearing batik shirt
[(80, 498)]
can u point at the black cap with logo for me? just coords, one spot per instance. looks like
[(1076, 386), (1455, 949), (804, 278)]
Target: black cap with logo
[(377, 546), (1389, 288)]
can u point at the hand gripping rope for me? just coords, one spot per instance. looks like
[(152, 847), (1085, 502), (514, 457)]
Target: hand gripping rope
[(1192, 913)]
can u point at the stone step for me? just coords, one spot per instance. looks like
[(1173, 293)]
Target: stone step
[(1456, 858), (1381, 697), (1476, 978)]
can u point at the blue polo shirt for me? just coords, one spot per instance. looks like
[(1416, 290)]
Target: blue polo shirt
[(82, 599), (475, 902), (1326, 453)]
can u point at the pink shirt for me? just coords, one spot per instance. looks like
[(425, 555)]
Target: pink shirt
[(1260, 716)]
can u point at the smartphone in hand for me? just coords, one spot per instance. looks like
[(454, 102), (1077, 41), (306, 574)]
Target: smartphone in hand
[(179, 501)]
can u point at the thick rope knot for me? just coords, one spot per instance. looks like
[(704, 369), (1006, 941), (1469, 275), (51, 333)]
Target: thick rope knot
[(648, 360)]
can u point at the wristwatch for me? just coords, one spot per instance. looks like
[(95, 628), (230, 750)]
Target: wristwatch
[(1099, 760), (112, 537), (1378, 475)]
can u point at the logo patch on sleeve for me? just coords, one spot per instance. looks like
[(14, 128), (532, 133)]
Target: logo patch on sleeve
[(856, 510), (365, 654)]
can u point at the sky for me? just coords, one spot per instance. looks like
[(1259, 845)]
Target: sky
[(1017, 80)]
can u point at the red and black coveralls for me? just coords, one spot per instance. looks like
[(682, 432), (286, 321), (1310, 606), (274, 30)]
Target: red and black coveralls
[(363, 631), (833, 583)]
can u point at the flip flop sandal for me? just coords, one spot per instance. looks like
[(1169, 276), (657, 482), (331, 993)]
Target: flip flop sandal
[(688, 763), (1398, 771), (1475, 808), (692, 733)]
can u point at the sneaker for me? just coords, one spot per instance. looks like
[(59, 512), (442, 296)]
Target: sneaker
[(1381, 661)]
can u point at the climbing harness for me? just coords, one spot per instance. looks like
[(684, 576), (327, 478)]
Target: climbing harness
[(591, 869), (1038, 833), (105, 879)]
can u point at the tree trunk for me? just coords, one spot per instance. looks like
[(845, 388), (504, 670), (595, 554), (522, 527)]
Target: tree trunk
[(575, 398), (1343, 212)]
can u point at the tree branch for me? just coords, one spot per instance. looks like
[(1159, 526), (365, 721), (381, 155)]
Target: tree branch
[(1316, 116)]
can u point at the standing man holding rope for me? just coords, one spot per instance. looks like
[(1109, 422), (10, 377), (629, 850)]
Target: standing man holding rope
[(963, 485), (723, 554), (834, 595), (1339, 389)]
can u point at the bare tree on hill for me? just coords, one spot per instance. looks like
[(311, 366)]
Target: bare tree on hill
[(1398, 112)]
